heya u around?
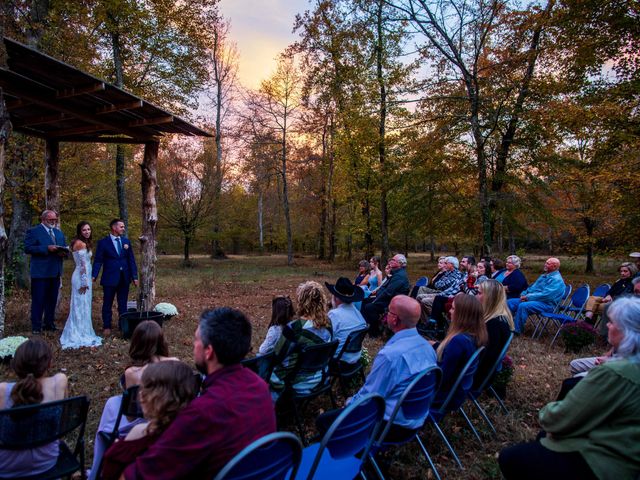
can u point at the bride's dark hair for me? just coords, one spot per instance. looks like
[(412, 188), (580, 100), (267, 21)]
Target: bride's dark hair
[(79, 236)]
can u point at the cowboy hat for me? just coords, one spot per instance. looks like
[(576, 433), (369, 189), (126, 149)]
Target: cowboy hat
[(345, 290)]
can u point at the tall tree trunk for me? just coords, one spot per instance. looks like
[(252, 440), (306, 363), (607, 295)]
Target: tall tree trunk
[(187, 242), (285, 199), (121, 192), (382, 154), (260, 224), (51, 180), (5, 132), (324, 207), (332, 235), (20, 223), (432, 249), (589, 224), (216, 247), (147, 285)]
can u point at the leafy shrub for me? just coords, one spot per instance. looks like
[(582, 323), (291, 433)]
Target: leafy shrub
[(577, 335)]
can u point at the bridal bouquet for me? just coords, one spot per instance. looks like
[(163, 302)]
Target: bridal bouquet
[(167, 309), (9, 345)]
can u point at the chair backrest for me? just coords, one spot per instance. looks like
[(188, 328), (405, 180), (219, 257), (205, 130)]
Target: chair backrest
[(422, 281), (268, 458), (262, 365), (564, 301), (353, 431), (314, 358), (463, 382), (490, 373), (129, 407), (601, 290), (32, 426), (580, 296), (353, 343), (416, 399)]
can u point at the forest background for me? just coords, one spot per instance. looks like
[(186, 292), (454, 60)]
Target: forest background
[(478, 126)]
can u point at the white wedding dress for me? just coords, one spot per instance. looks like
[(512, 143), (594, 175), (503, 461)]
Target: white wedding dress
[(78, 331)]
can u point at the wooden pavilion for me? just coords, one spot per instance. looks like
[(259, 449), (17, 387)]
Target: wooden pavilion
[(52, 100)]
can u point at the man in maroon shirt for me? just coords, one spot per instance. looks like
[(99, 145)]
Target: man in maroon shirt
[(234, 409)]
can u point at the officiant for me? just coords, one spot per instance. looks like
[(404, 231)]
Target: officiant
[(47, 246)]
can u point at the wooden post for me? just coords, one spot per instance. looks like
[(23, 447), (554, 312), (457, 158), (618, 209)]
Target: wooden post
[(5, 132), (147, 285), (51, 182)]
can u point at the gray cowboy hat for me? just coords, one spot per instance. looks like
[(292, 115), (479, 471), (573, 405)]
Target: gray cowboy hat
[(345, 290)]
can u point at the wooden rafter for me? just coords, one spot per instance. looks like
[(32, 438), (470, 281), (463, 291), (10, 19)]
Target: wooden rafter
[(118, 107), (75, 91), (40, 120), (151, 121)]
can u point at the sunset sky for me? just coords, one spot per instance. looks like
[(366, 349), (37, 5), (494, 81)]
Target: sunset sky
[(261, 29)]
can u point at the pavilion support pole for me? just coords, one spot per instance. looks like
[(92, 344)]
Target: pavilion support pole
[(51, 180), (147, 286), (5, 132)]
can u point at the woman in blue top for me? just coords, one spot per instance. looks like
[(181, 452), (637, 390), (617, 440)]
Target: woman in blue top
[(466, 334), (514, 280)]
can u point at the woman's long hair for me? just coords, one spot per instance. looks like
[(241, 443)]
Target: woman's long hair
[(494, 301), (282, 311), (30, 362), (166, 388), (312, 304), (467, 319), (79, 236), (147, 341)]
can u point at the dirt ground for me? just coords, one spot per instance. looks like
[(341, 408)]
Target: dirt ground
[(249, 283)]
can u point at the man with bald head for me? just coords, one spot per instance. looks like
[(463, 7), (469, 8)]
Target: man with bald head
[(542, 296), (404, 356)]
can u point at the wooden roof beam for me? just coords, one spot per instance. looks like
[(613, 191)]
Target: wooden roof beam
[(76, 91), (17, 103), (100, 139), (40, 120), (76, 131), (118, 107), (23, 87), (143, 122)]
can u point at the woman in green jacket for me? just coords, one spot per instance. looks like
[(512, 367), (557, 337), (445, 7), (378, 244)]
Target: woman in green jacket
[(594, 433)]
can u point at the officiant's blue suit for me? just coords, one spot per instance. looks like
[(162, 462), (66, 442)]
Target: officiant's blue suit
[(45, 270), (118, 270)]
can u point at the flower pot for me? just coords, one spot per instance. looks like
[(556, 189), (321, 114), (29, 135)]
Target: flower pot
[(130, 320)]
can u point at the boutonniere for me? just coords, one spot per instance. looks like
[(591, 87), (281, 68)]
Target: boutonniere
[(125, 246)]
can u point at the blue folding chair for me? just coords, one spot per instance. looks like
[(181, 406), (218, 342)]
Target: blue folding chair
[(341, 370), (413, 404), (421, 282), (351, 433), (571, 313), (559, 308), (463, 384), (262, 365), (601, 290), (486, 385), (273, 457)]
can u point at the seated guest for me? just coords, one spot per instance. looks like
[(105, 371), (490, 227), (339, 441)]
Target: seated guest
[(636, 258), (593, 433), (233, 410), (479, 276), (31, 362), (166, 388), (363, 267), (449, 286), (147, 346), (467, 266), (404, 356), (499, 323), (623, 286), (497, 269), (312, 327), (344, 316), (466, 334), (514, 280), (397, 284), (374, 279), (281, 313), (542, 296)]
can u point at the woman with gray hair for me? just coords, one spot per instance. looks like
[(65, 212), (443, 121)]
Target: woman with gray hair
[(624, 285), (514, 280), (594, 432)]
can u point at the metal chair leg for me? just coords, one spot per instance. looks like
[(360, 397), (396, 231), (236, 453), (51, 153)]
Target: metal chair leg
[(376, 467), (497, 397), (428, 457), (484, 415), (446, 442), (473, 429)]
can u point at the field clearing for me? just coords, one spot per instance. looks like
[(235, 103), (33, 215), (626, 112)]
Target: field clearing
[(249, 283)]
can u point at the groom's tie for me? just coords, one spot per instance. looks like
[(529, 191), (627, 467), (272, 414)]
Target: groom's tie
[(119, 246), (52, 235)]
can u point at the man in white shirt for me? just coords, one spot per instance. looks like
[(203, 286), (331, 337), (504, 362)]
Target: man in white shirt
[(345, 317)]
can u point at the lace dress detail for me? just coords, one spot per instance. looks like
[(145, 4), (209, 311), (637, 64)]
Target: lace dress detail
[(78, 331)]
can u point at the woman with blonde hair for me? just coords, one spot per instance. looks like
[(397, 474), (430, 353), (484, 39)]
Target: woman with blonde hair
[(467, 332), (499, 322), (166, 388), (31, 362), (312, 327)]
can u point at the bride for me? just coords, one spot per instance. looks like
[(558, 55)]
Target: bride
[(78, 331)]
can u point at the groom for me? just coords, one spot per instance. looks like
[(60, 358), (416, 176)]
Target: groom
[(115, 254)]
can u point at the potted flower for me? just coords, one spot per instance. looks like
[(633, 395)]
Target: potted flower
[(167, 309), (503, 376), (8, 347), (577, 335)]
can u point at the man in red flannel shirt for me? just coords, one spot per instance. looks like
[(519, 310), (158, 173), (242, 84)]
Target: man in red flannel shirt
[(233, 410)]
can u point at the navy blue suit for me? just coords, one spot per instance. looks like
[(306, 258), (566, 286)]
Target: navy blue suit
[(45, 270), (118, 271)]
